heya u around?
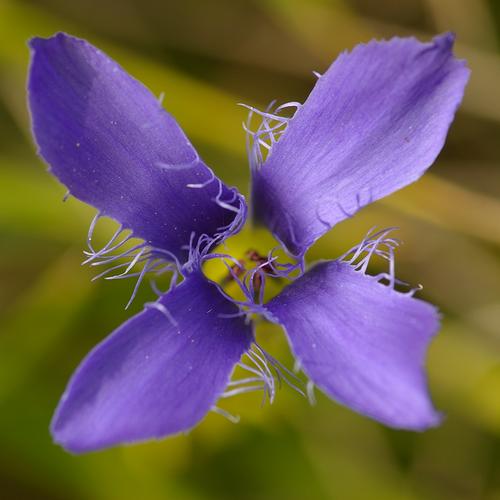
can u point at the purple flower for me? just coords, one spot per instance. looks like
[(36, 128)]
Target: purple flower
[(374, 122)]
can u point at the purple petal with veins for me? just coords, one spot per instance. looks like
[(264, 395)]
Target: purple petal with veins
[(374, 122), (361, 342), (156, 375), (107, 138)]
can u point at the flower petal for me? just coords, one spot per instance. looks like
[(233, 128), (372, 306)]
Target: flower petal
[(374, 122), (157, 374), (361, 342), (107, 138)]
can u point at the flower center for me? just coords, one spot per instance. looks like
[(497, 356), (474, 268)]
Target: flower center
[(252, 260), (251, 277)]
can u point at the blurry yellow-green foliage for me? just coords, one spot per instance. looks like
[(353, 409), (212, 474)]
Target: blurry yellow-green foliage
[(207, 56)]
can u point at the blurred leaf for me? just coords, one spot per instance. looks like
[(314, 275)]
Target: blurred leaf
[(486, 398), (471, 19), (446, 204), (37, 321), (31, 202)]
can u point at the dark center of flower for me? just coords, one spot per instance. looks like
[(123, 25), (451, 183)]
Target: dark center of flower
[(252, 258)]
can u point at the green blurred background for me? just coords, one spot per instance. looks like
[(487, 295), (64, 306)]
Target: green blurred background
[(207, 56)]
